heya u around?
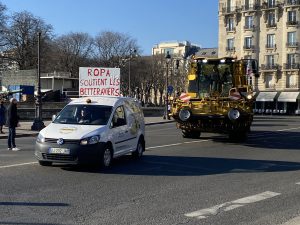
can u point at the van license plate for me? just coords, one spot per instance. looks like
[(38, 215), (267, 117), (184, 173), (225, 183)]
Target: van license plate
[(64, 151)]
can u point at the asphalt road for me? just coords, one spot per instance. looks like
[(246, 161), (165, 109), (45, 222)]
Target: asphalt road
[(178, 181)]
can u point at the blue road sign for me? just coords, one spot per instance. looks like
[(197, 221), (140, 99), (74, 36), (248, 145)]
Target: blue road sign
[(170, 89)]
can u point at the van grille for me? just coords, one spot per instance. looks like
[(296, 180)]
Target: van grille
[(59, 157), (66, 141)]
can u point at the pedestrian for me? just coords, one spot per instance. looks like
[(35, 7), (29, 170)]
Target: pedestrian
[(12, 122), (2, 116)]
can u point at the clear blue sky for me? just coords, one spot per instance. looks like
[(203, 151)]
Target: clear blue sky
[(147, 21)]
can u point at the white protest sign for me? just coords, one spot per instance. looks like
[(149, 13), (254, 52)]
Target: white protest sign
[(97, 81)]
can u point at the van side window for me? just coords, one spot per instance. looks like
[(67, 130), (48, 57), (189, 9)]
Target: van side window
[(119, 118)]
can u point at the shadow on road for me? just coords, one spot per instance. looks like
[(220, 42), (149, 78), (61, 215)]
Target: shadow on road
[(267, 140), (30, 223), (151, 165), (33, 204), (268, 125), (269, 118)]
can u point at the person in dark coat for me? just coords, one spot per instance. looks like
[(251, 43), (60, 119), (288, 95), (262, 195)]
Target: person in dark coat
[(2, 116), (12, 122)]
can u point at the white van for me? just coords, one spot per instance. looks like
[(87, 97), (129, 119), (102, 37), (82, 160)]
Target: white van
[(93, 130)]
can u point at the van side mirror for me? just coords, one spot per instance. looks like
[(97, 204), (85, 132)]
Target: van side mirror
[(53, 117)]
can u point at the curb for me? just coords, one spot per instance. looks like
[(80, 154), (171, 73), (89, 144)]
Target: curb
[(36, 133)]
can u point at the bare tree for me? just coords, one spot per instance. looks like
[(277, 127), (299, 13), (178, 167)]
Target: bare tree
[(22, 37), (158, 65), (3, 24), (73, 51), (111, 47)]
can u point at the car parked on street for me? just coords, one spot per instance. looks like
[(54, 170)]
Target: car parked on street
[(93, 130)]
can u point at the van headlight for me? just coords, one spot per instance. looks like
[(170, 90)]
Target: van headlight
[(40, 138), (184, 114), (90, 140), (249, 97)]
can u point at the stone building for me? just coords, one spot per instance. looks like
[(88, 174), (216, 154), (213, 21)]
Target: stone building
[(175, 48), (266, 30)]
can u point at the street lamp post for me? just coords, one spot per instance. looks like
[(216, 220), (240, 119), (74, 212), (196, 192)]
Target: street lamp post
[(168, 60), (129, 75), (38, 123), (131, 51)]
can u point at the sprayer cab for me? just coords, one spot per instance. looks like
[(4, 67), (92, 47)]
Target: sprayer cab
[(215, 77)]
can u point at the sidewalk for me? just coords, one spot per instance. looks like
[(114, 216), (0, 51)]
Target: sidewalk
[(25, 129)]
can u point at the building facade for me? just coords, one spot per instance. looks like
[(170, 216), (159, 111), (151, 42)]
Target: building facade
[(266, 30), (175, 48)]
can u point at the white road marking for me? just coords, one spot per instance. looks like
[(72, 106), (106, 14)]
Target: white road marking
[(295, 128), (15, 165), (176, 144), (298, 183), (227, 206), (294, 221)]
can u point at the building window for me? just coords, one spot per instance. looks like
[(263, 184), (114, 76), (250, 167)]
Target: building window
[(170, 50), (291, 59), (248, 4), (291, 38), (248, 43), (270, 59), (230, 44), (292, 16), (270, 41), (292, 2), (230, 24), (271, 3), (269, 81), (230, 7), (248, 22), (291, 62), (271, 20), (291, 81)]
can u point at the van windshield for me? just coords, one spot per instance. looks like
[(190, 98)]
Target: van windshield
[(84, 115)]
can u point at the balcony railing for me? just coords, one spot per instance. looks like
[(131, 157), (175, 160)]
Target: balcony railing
[(228, 10), (271, 25), (292, 44), (230, 29), (270, 46), (269, 66), (292, 23), (293, 85), (266, 5), (292, 2), (250, 7), (230, 49), (251, 27), (249, 47), (291, 66)]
